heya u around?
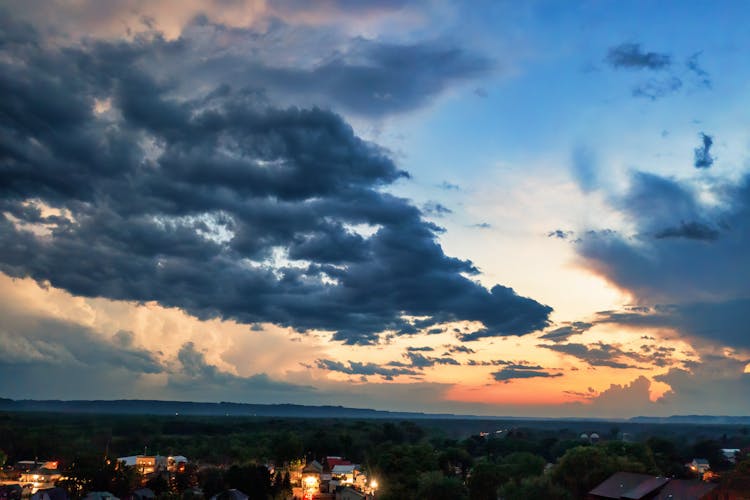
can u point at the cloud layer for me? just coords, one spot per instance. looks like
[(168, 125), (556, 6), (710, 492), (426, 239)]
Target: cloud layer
[(114, 185)]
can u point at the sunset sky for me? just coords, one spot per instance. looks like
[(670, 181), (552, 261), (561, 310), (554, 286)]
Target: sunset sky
[(495, 208)]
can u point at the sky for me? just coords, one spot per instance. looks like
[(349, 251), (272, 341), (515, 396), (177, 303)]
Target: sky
[(493, 208)]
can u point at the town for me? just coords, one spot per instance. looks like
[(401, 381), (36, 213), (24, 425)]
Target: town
[(283, 459)]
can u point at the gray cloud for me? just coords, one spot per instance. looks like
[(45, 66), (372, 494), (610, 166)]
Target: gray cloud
[(656, 88), (188, 201), (522, 372), (683, 251), (562, 333), (722, 321), (418, 360), (690, 230), (700, 74), (449, 186), (436, 209), (598, 354), (584, 169), (632, 56), (702, 154), (357, 368), (197, 376), (44, 342), (560, 234), (459, 349)]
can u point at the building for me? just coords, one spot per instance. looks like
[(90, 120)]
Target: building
[(730, 454), (41, 477), (628, 485), (699, 466), (350, 494), (100, 495), (177, 463), (55, 493), (631, 486), (686, 489), (230, 495), (146, 464)]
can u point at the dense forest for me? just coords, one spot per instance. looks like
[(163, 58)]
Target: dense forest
[(425, 459)]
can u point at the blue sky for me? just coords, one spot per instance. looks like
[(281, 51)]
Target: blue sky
[(535, 208)]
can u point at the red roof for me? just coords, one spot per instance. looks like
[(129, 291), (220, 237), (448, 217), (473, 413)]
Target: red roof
[(334, 461), (685, 489), (628, 485)]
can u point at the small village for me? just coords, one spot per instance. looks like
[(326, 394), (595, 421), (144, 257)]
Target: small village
[(329, 478), (333, 478)]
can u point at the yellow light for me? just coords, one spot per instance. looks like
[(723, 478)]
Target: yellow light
[(373, 484), (311, 482)]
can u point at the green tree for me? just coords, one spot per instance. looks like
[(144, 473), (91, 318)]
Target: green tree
[(521, 465), (532, 488), (434, 485), (582, 468), (484, 481)]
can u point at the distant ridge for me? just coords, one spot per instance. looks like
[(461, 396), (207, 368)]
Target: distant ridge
[(156, 407), (693, 419)]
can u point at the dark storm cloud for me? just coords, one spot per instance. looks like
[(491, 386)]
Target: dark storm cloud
[(632, 56), (188, 202), (702, 154), (519, 372), (562, 333)]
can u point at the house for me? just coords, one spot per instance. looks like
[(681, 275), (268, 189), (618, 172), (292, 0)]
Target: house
[(41, 477), (230, 495), (143, 494), (699, 465), (730, 454), (11, 492), (350, 494), (55, 493), (100, 495), (177, 463), (334, 461), (628, 485), (145, 464), (344, 473), (686, 489)]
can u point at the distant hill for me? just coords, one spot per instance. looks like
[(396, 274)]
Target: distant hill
[(693, 419), (152, 407), (155, 407)]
